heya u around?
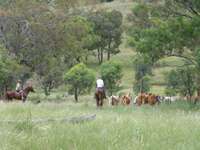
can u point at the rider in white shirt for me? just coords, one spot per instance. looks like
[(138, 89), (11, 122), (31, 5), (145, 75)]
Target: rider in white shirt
[(100, 83), (19, 86), (100, 86)]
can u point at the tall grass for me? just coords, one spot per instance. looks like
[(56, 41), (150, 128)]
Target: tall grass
[(175, 126)]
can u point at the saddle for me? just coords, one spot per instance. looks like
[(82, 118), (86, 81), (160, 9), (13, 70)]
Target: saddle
[(21, 93), (99, 89)]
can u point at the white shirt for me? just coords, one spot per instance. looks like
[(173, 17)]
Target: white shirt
[(100, 83), (18, 87)]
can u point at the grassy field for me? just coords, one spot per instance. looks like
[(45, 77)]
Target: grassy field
[(166, 127)]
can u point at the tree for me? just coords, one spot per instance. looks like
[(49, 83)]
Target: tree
[(78, 37), (142, 69), (172, 83), (108, 27), (182, 81), (8, 77), (111, 73), (174, 31), (80, 80), (50, 73), (142, 85)]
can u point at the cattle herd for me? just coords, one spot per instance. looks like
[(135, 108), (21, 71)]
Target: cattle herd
[(141, 99)]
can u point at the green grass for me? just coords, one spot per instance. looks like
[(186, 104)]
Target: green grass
[(166, 127), (163, 127)]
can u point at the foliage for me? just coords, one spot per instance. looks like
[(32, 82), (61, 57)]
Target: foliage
[(142, 85), (45, 42), (142, 67), (48, 37), (174, 31), (108, 27), (181, 81), (79, 37), (50, 74), (111, 73), (8, 77), (80, 80)]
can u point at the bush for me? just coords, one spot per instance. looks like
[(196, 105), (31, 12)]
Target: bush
[(142, 85), (181, 81), (80, 80), (111, 73)]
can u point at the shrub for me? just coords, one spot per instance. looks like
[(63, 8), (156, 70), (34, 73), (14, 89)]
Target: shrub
[(111, 73), (80, 80)]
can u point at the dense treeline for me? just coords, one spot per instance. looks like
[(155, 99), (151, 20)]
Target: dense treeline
[(170, 28), (47, 38)]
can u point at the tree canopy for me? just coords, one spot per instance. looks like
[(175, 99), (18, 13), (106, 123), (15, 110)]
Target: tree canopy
[(169, 29), (111, 73), (80, 80)]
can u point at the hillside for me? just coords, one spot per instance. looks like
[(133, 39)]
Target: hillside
[(127, 54)]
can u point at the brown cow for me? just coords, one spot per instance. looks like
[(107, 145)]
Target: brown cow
[(193, 99), (144, 98), (126, 99), (152, 99)]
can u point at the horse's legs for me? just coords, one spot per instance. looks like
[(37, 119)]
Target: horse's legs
[(101, 99), (23, 100), (101, 102), (97, 99)]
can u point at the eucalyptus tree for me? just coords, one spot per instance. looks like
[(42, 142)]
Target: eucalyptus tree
[(172, 30)]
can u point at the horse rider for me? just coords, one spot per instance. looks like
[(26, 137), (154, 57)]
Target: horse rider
[(19, 88), (100, 86)]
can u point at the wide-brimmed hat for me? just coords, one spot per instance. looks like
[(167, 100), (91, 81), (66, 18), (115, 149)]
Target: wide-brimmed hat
[(19, 81)]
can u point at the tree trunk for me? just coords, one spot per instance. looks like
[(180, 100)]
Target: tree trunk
[(86, 59), (198, 92), (46, 91), (98, 55), (108, 55), (76, 94), (5, 90), (78, 59), (142, 86), (198, 83), (101, 55)]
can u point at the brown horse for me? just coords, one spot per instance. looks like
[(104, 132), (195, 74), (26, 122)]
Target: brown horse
[(10, 95), (99, 95)]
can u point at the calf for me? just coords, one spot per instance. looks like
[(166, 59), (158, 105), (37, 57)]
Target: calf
[(126, 99), (114, 100)]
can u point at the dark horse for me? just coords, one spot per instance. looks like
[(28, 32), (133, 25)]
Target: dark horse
[(99, 95), (10, 95)]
